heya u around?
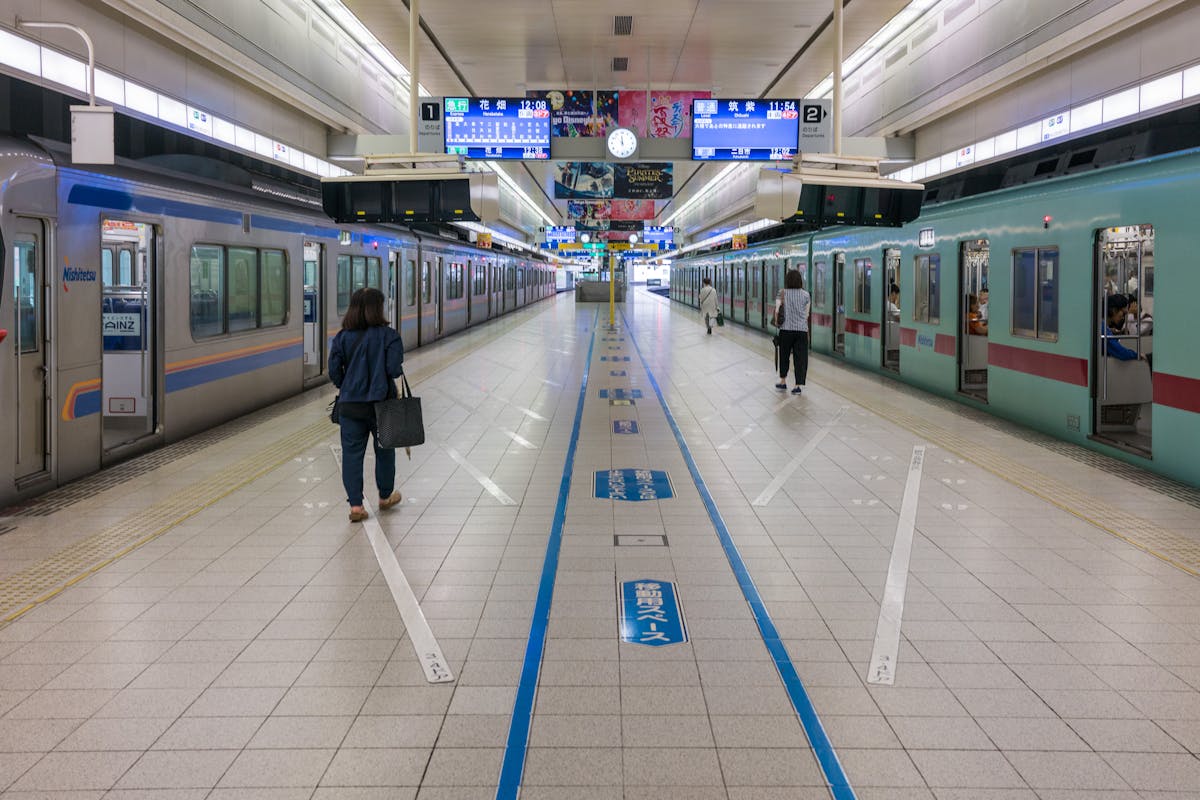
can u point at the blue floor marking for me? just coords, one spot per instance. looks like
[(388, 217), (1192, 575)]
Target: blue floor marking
[(835, 776), (513, 767)]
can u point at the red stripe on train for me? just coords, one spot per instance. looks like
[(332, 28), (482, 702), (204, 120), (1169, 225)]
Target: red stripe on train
[(1177, 391), (908, 337), (1067, 369), (824, 320), (945, 345), (863, 328)]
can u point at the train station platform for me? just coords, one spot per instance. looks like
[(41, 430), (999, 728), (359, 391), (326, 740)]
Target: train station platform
[(625, 566)]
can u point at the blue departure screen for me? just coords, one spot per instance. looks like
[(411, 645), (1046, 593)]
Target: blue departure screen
[(745, 130), (498, 127)]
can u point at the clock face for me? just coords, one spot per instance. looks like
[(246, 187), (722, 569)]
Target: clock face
[(622, 143)]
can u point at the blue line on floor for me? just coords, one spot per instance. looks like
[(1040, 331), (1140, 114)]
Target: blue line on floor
[(513, 767), (817, 738)]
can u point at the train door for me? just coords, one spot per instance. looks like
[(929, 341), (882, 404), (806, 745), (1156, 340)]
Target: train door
[(472, 268), (128, 304), (973, 318), (390, 288), (754, 284), (409, 316), (839, 303), (32, 350), (314, 311), (891, 309), (439, 295), (1124, 333)]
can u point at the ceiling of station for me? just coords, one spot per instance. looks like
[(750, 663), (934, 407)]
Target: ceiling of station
[(750, 48)]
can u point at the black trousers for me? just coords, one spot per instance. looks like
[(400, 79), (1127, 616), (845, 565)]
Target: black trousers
[(794, 343)]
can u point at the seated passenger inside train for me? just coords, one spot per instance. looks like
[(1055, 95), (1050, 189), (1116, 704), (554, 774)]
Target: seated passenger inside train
[(976, 325), (1117, 304), (1136, 320), (983, 306), (894, 303)]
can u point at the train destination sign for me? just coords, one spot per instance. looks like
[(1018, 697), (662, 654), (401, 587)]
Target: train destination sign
[(745, 130), (651, 614), (498, 127)]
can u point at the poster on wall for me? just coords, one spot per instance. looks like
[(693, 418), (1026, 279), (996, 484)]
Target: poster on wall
[(590, 215), (607, 116), (632, 210), (670, 113), (583, 180), (642, 181), (571, 112)]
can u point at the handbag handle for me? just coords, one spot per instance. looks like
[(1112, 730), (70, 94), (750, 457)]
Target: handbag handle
[(406, 392)]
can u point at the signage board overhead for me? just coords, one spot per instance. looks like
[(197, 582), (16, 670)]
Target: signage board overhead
[(744, 130), (497, 127), (816, 126)]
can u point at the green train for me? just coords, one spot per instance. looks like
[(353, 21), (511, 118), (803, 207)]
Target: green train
[(1004, 302)]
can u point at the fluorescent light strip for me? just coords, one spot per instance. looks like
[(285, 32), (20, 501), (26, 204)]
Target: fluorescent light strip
[(508, 181), (27, 56), (703, 191), (757, 225), (1120, 105), (345, 19)]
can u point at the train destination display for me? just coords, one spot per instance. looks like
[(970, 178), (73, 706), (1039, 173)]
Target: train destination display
[(498, 127), (745, 130)]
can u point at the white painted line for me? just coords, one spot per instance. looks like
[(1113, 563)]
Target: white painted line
[(484, 481), (745, 432), (774, 486), (552, 383), (521, 440), (429, 652), (887, 633), (527, 412)]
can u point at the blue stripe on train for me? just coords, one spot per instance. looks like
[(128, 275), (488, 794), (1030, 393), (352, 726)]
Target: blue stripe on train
[(87, 403), (195, 376)]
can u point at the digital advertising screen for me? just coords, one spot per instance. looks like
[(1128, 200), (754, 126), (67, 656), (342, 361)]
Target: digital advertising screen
[(745, 130), (498, 127)]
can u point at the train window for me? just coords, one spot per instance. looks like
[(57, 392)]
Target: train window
[(106, 266), (359, 265), (862, 285), (344, 284), (274, 288), (927, 274), (820, 295), (374, 273), (410, 283), (125, 268), (27, 295), (510, 280), (426, 290), (208, 291), (243, 288), (1035, 293)]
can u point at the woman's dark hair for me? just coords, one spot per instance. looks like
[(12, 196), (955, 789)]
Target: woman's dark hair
[(706, 281), (365, 311), (793, 280), (894, 289)]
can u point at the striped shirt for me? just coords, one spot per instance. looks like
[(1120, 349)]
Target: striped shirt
[(796, 305)]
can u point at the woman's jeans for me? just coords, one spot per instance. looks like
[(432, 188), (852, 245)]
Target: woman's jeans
[(354, 447), (795, 344)]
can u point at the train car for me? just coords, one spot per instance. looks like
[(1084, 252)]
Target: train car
[(138, 307), (1003, 304)]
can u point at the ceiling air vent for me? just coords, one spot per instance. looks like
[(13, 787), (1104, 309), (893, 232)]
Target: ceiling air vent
[(622, 26), (620, 64)]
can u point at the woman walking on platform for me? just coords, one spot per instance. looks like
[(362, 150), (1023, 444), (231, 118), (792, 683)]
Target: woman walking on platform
[(365, 358), (795, 305), (708, 303)]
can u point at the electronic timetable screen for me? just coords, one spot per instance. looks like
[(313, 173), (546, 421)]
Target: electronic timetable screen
[(745, 130), (498, 127)]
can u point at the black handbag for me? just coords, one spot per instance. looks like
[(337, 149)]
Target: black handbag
[(398, 421)]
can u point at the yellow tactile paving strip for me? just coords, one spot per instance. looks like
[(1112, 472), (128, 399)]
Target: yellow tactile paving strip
[(1159, 542), (25, 590), (37, 584)]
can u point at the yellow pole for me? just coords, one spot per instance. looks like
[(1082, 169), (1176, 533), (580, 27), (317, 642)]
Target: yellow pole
[(612, 291)]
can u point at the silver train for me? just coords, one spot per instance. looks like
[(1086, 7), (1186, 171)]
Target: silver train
[(137, 308)]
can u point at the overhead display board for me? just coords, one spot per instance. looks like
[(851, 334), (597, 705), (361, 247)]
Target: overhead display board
[(745, 130), (498, 127)]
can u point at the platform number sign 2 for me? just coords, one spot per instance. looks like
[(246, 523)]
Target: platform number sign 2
[(816, 128)]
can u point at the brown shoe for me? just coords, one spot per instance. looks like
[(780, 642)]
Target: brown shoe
[(358, 516), (390, 500)]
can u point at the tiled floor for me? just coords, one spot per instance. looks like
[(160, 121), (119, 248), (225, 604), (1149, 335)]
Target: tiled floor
[(254, 649)]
